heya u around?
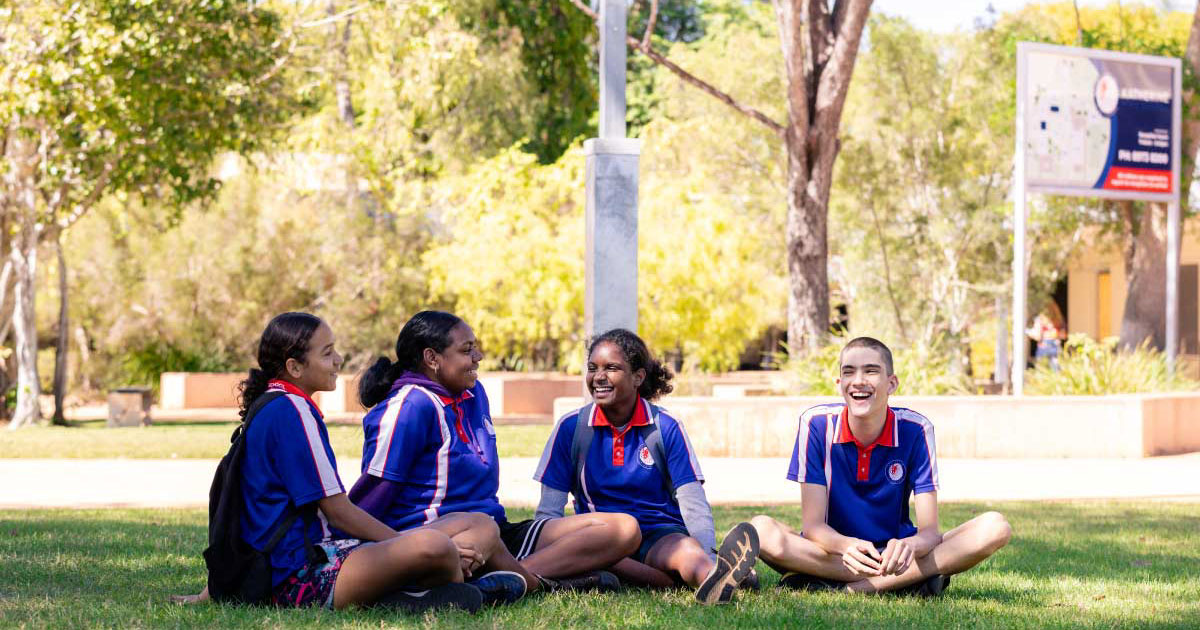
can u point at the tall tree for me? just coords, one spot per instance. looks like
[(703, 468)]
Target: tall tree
[(820, 42), (109, 95)]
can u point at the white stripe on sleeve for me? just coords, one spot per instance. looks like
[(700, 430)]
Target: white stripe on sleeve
[(387, 431), (546, 452), (326, 473), (443, 460)]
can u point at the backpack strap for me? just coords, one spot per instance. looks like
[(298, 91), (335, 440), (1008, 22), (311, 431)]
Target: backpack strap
[(658, 452), (581, 441)]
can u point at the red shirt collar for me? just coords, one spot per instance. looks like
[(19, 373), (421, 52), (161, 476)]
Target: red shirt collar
[(887, 437), (282, 385), (640, 418), (450, 400)]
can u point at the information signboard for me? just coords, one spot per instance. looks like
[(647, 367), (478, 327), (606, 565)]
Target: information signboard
[(1095, 123), (1099, 123)]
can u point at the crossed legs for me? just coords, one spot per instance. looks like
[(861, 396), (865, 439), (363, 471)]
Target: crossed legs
[(785, 549)]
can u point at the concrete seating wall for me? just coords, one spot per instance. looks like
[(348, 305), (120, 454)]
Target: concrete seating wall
[(1133, 425), (528, 393)]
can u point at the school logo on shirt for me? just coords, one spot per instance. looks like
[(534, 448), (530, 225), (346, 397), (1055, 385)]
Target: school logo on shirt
[(895, 471), (644, 457)]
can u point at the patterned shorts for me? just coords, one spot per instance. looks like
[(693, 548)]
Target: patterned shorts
[(312, 585)]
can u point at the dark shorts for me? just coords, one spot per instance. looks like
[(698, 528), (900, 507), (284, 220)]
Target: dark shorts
[(650, 537), (312, 585), (522, 538)]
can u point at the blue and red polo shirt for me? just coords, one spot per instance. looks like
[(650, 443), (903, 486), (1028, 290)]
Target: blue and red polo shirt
[(429, 454), (869, 484), (288, 462), (619, 474)]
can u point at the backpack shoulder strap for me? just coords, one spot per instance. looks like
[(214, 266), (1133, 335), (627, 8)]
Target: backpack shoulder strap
[(581, 441), (652, 436)]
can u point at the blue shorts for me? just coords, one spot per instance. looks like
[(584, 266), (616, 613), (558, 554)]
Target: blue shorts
[(650, 537)]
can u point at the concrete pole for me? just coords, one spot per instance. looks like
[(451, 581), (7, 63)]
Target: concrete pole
[(610, 299)]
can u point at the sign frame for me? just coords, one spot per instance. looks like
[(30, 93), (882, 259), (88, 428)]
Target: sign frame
[(1021, 189)]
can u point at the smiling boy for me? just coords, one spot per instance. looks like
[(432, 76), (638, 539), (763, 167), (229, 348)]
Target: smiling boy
[(858, 463)]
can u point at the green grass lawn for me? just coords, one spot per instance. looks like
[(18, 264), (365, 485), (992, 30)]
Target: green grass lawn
[(1070, 565), (202, 440)]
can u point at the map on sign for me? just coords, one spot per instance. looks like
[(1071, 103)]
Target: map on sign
[(1067, 136), (1095, 121)]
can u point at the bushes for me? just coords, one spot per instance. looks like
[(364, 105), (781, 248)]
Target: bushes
[(1088, 367), (923, 369)]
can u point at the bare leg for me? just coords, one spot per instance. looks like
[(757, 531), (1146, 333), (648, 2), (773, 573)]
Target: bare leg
[(683, 555), (635, 572), (419, 558), (476, 535), (963, 547), (583, 542)]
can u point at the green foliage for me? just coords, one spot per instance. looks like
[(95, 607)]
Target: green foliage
[(924, 370), (1097, 368), (143, 365)]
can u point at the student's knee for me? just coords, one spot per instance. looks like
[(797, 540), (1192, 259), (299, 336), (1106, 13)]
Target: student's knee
[(996, 531), (769, 532), (429, 548), (625, 532)]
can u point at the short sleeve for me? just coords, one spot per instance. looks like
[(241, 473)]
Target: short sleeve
[(923, 461), (407, 428), (555, 469), (301, 451), (681, 457), (808, 455)]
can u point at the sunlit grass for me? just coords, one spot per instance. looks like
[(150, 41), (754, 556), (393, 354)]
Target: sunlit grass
[(202, 440), (1070, 565)]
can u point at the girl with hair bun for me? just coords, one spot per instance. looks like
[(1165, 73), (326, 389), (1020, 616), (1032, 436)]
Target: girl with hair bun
[(430, 450), (623, 454), (289, 464)]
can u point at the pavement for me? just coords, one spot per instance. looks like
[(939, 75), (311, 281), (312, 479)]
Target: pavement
[(73, 483)]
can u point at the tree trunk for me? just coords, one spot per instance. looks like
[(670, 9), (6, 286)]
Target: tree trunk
[(820, 45), (1145, 256), (24, 258), (60, 348)]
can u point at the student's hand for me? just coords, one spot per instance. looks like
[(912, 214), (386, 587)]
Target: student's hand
[(861, 558), (896, 557), (202, 596), (469, 557)]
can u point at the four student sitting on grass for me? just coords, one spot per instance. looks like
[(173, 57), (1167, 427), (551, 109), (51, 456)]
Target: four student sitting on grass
[(430, 473)]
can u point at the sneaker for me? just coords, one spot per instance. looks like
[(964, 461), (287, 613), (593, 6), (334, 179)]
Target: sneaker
[(600, 581), (735, 560), (931, 586), (500, 587), (751, 581), (451, 595), (812, 583)]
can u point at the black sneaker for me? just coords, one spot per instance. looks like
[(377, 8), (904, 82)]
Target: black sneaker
[(735, 560), (600, 581), (812, 583), (931, 586), (751, 581), (451, 595), (500, 587)]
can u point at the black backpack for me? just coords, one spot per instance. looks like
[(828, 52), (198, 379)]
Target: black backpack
[(237, 572), (582, 441)]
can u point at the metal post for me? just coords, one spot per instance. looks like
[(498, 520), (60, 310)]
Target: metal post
[(1019, 347), (1172, 284)]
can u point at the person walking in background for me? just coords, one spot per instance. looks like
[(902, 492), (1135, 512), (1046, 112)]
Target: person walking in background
[(623, 454), (1048, 330)]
